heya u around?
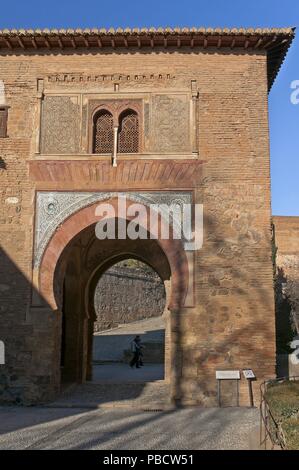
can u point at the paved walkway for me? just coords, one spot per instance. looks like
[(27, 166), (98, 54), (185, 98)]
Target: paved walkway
[(141, 396), (190, 428), (123, 373), (110, 345)]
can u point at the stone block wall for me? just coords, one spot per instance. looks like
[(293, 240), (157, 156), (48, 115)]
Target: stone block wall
[(125, 295)]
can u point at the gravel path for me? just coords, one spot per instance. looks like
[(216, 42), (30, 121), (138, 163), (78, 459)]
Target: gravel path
[(189, 428)]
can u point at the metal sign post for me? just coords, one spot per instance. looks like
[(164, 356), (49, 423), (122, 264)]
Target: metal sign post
[(249, 376)]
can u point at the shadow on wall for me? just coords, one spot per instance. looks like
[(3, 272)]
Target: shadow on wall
[(30, 333), (230, 337), (17, 333), (2, 164)]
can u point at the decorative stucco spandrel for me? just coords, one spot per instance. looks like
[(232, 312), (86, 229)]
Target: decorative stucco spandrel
[(52, 208)]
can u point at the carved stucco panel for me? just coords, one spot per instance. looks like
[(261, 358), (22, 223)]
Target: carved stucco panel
[(60, 129), (170, 123)]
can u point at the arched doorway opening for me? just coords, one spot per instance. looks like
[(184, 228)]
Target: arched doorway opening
[(71, 266), (130, 298), (86, 260)]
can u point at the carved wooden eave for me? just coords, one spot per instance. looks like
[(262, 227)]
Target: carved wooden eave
[(275, 41), (141, 174)]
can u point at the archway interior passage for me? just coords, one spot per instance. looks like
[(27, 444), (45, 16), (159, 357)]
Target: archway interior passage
[(83, 267), (129, 300)]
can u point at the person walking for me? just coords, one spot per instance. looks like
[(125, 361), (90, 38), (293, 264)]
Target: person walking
[(135, 348)]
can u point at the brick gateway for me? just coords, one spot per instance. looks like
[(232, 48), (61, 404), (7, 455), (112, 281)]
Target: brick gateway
[(88, 114)]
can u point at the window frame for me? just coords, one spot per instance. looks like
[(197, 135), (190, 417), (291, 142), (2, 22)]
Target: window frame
[(121, 116), (96, 116), (116, 107)]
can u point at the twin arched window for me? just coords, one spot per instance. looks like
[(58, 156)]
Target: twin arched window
[(128, 132), (103, 132)]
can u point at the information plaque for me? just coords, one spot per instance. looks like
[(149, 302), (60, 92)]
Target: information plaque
[(227, 374), (248, 374)]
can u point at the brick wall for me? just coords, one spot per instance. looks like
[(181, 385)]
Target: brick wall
[(234, 306)]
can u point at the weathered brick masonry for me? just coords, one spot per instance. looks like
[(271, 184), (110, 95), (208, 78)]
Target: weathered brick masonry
[(201, 101)]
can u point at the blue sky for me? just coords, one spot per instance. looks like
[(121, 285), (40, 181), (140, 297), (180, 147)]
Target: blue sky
[(284, 116)]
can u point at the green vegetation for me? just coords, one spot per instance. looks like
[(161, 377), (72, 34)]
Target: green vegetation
[(283, 310), (283, 399)]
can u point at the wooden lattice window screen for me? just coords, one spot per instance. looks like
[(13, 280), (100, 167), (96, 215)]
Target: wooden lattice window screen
[(103, 133), (128, 139)]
